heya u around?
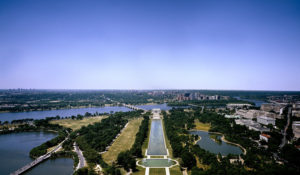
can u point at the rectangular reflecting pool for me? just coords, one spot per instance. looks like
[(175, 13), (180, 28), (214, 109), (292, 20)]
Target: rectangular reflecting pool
[(156, 144)]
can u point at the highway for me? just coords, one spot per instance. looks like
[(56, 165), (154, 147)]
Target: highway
[(286, 127)]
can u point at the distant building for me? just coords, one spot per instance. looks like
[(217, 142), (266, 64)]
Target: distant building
[(252, 125), (270, 107), (296, 129), (266, 120), (233, 105), (232, 116), (264, 137)]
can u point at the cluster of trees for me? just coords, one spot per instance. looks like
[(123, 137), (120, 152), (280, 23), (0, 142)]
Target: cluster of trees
[(126, 159), (42, 149), (256, 161), (177, 125), (32, 100), (95, 138)]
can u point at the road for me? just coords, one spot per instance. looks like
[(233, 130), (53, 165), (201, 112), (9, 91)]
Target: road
[(286, 127), (81, 158)]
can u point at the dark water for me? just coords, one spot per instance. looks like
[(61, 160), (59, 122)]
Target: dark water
[(59, 166), (257, 103), (157, 141), (163, 106), (61, 112), (15, 148), (210, 145)]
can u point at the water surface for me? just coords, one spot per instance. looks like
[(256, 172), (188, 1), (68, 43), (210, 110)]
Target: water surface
[(210, 145), (9, 116), (156, 144), (15, 148), (59, 166), (163, 106)]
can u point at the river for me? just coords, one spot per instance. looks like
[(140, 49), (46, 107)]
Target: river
[(9, 116), (15, 148)]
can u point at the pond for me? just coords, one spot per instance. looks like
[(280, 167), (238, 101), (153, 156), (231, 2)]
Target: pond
[(156, 144), (9, 116), (157, 163), (216, 147)]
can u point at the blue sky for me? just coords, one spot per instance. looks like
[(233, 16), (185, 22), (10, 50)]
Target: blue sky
[(201, 44)]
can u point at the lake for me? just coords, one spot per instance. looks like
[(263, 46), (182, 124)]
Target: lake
[(210, 145), (156, 144), (15, 148), (9, 116)]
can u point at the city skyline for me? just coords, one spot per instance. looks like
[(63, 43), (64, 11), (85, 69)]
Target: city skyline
[(232, 45)]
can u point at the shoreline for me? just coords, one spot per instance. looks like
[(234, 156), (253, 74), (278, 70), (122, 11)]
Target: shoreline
[(224, 140)]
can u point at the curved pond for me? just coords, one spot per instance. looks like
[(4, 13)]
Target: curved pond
[(15, 148), (9, 116), (216, 147)]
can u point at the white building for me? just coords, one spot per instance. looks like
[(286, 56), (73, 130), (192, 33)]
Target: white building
[(232, 116), (296, 129), (265, 120), (264, 137)]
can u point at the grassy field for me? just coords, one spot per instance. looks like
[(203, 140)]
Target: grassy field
[(77, 124), (123, 142), (202, 126), (175, 171), (157, 171)]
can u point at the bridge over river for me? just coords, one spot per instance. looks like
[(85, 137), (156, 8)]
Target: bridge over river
[(38, 160)]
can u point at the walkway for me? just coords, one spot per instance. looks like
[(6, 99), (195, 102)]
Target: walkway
[(82, 162)]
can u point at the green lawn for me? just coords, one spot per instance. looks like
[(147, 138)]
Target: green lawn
[(157, 171), (202, 126), (77, 124), (123, 142)]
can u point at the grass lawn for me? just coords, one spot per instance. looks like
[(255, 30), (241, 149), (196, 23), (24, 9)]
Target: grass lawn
[(123, 142), (202, 126), (157, 171), (175, 171), (77, 124), (141, 171)]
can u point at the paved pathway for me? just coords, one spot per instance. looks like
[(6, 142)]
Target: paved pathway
[(81, 158), (286, 128)]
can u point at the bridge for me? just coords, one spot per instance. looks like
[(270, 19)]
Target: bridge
[(38, 160), (133, 107)]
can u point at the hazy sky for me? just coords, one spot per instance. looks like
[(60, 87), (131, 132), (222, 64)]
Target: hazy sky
[(201, 44)]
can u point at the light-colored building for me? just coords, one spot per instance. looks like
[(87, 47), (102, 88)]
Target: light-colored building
[(272, 107), (265, 120), (296, 129), (234, 105), (156, 113), (232, 116), (252, 125), (264, 137)]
